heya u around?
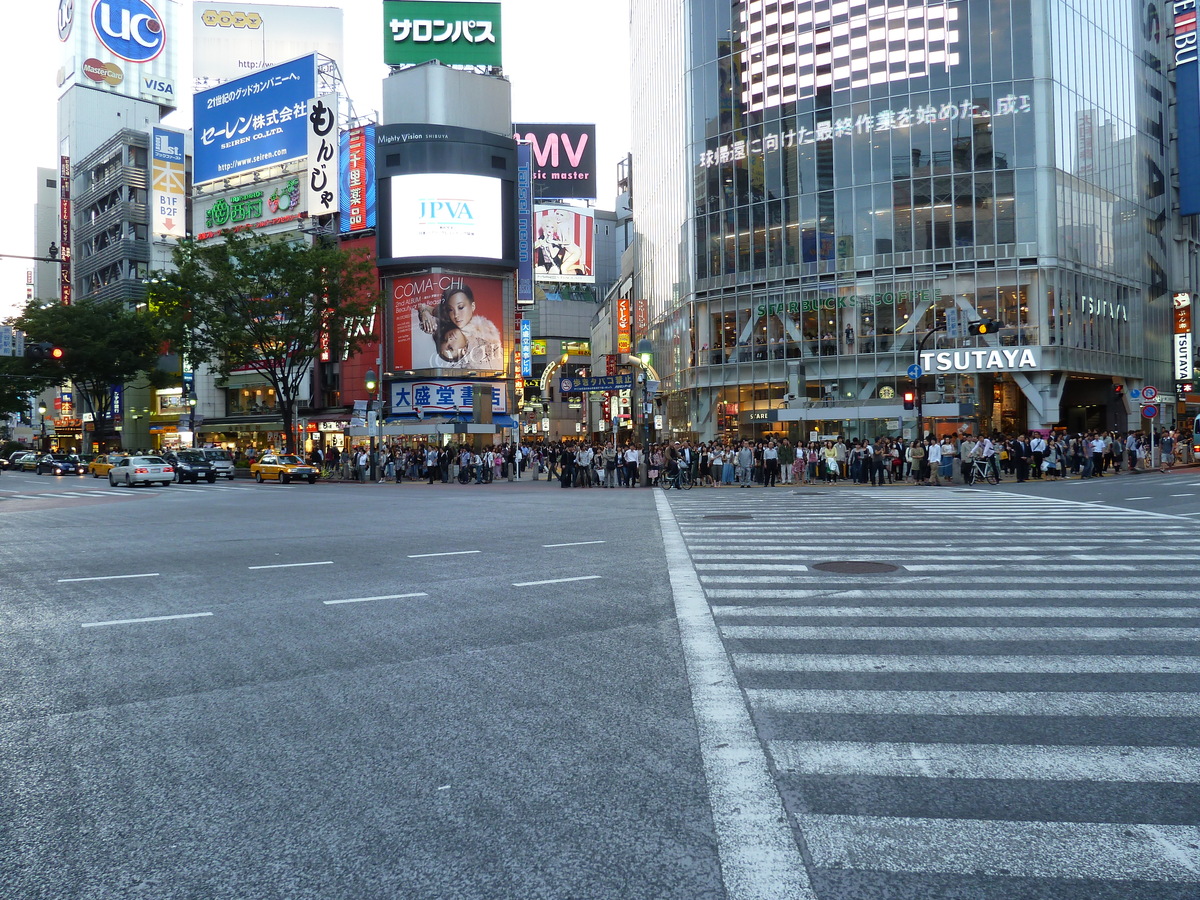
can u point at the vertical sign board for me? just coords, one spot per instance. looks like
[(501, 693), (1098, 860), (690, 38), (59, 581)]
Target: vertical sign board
[(524, 225), (526, 348), (64, 228), (357, 155), (1182, 347), (624, 325), (323, 174), (641, 317), (1187, 109), (168, 183)]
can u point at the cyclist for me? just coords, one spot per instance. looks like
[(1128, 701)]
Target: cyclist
[(983, 450)]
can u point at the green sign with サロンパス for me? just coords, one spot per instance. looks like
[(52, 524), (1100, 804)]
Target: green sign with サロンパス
[(454, 33)]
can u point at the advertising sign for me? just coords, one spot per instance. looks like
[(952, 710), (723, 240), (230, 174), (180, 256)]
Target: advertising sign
[(526, 348), (524, 225), (437, 396), (1002, 359), (452, 32), (127, 47), (598, 383), (323, 173), (1182, 347), (64, 228), (564, 244), (357, 155), (624, 321), (448, 322), (564, 160), (168, 183), (445, 215), (268, 207), (256, 121), (230, 40), (1187, 107)]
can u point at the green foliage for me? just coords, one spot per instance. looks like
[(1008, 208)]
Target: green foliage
[(268, 304)]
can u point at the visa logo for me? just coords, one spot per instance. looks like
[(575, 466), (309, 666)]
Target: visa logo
[(454, 210), (158, 86)]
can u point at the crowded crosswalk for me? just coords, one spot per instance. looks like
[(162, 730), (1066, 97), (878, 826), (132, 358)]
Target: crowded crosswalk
[(966, 694)]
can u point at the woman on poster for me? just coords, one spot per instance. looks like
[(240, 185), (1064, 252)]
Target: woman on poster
[(464, 339)]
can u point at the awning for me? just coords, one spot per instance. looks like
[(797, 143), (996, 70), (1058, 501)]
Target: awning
[(235, 423)]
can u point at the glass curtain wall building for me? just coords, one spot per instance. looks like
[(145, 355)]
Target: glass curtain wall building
[(833, 190)]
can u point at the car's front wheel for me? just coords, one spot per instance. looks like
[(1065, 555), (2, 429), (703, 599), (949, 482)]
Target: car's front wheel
[(258, 477), (112, 482), (312, 479), (211, 479), (286, 479)]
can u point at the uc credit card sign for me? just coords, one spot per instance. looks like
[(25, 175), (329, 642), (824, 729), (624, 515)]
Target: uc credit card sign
[(255, 121)]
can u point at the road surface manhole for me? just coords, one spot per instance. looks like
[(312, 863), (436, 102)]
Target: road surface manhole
[(730, 517), (855, 567)]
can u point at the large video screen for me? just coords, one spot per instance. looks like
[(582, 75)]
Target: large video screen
[(446, 215)]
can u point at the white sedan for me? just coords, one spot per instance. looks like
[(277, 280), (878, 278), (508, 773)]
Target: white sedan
[(131, 470)]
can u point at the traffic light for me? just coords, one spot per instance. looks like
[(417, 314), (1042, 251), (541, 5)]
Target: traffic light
[(371, 381), (983, 326), (43, 351), (910, 399), (1118, 389)]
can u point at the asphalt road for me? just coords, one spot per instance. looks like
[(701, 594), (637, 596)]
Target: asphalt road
[(516, 691)]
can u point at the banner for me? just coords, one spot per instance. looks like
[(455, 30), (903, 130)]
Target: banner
[(357, 155), (526, 348), (624, 321), (1182, 348), (444, 321), (564, 244), (169, 183), (323, 172), (64, 229), (525, 240)]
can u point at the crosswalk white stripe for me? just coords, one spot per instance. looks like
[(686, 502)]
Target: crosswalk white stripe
[(1175, 765), (1027, 580), (962, 612), (1080, 851), (959, 633), (1135, 593), (897, 663), (1147, 704)]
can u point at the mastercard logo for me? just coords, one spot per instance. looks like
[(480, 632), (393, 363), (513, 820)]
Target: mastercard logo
[(109, 73)]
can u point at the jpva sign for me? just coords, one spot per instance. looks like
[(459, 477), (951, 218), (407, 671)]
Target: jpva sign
[(446, 211), (999, 359)]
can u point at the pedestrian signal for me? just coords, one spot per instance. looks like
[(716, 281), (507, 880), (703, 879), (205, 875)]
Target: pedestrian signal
[(910, 399)]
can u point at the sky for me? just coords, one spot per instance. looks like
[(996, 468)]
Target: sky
[(567, 61)]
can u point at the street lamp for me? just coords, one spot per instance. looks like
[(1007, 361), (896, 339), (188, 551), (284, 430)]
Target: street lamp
[(645, 352), (371, 383), (192, 416), (42, 414)]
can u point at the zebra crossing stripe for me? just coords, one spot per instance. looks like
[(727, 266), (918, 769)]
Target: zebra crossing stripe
[(1176, 765), (958, 633), (1148, 704), (963, 612), (983, 665)]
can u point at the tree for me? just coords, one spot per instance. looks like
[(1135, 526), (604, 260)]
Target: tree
[(105, 343), (272, 305)]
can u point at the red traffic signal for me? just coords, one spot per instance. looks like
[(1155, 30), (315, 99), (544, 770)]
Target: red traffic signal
[(910, 399), (43, 351), (56, 353)]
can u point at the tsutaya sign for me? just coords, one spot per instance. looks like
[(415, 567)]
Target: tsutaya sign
[(999, 359)]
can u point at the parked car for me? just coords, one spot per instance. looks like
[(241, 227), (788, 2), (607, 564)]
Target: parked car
[(191, 465), (26, 462), (7, 462), (131, 470), (282, 469), (222, 461), (55, 464), (101, 465)]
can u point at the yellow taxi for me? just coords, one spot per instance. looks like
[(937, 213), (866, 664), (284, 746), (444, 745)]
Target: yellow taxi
[(282, 468), (102, 465)]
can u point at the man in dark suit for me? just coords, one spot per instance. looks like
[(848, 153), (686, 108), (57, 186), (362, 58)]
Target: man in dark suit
[(1023, 453)]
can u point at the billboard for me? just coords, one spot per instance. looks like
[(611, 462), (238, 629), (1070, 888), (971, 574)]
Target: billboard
[(440, 397), (268, 207), (564, 244), (323, 169), (127, 47), (445, 215), (564, 160), (255, 121), (524, 226), (1187, 106), (1184, 366), (168, 183), (357, 182), (232, 40), (624, 321), (454, 33), (445, 321)]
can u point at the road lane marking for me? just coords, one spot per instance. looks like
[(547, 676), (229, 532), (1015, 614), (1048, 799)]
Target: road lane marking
[(328, 562), (368, 599), (450, 553), (905, 664), (1148, 704), (108, 577), (1183, 495), (574, 544), (1127, 499), (555, 581), (148, 619), (758, 853)]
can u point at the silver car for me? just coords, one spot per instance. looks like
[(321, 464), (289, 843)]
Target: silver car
[(131, 470)]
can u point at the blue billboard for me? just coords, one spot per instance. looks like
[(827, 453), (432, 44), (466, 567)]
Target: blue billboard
[(254, 121), (1187, 106)]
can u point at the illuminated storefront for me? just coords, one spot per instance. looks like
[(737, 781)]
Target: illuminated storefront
[(849, 190)]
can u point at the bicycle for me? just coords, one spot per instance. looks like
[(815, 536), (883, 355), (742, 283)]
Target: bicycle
[(682, 480), (982, 469)]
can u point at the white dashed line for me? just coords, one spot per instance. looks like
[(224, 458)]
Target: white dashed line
[(574, 544), (328, 562), (149, 619), (368, 599), (109, 577), (451, 553), (555, 581)]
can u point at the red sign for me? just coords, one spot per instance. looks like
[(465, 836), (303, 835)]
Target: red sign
[(624, 324), (356, 169)]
